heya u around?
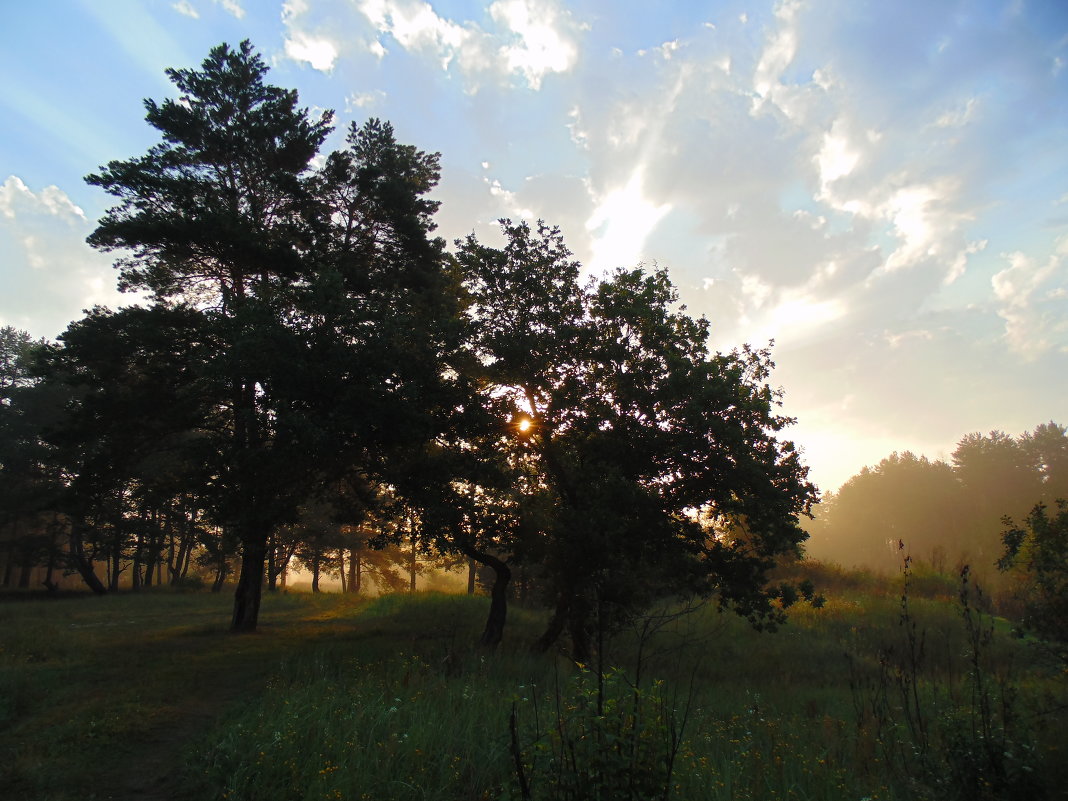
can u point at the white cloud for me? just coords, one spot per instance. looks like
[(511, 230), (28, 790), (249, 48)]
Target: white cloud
[(319, 52), (48, 272), (307, 43), (291, 9), (416, 26), (542, 46), (960, 116), (668, 48), (183, 7), (779, 51), (364, 99), (509, 201), (1032, 301), (533, 38), (620, 224), (836, 158), (53, 200), (232, 7)]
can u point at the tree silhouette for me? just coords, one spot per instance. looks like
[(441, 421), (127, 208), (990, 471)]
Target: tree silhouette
[(632, 427)]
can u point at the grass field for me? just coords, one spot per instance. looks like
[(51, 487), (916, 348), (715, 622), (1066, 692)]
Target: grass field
[(148, 697)]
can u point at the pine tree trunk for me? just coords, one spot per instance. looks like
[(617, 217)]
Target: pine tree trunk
[(9, 565), (81, 562), (135, 568), (411, 567), (249, 584), (272, 567), (220, 578), (115, 570), (354, 561), (25, 571)]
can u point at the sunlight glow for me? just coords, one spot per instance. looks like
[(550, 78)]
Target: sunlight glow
[(621, 223)]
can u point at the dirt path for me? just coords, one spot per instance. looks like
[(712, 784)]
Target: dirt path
[(154, 766), (149, 753)]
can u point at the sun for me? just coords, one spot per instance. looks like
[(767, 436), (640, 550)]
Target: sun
[(524, 425)]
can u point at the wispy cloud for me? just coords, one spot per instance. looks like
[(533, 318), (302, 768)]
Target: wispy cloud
[(184, 8)]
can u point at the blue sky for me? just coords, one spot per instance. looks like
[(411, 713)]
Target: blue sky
[(880, 187)]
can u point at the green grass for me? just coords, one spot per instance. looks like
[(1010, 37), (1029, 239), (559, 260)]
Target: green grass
[(149, 696)]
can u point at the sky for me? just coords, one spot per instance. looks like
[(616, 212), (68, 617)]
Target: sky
[(880, 188)]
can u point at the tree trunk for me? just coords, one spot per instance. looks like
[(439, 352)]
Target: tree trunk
[(412, 564), (272, 566), (249, 584), (9, 548), (471, 575), (316, 567), (150, 563), (25, 571), (556, 625), (184, 571), (498, 612), (220, 576), (180, 562), (354, 558), (135, 569), (81, 562), (115, 569), (9, 565), (50, 568)]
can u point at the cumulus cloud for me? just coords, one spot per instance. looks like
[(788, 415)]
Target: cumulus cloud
[(532, 38), (303, 45), (319, 52), (1033, 301), (802, 189), (48, 271), (542, 44)]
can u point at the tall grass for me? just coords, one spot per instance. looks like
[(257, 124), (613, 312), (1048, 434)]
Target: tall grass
[(755, 716), (339, 698)]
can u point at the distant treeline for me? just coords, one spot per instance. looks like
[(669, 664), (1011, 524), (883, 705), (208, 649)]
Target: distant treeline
[(945, 513)]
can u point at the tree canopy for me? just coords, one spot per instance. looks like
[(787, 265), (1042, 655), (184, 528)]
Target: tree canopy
[(312, 360), (653, 465)]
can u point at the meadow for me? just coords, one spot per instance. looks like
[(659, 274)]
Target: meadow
[(148, 696)]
